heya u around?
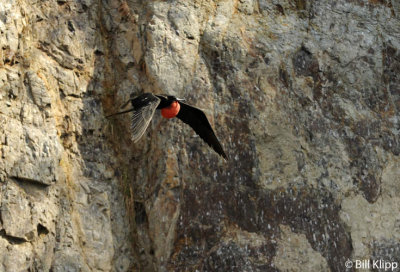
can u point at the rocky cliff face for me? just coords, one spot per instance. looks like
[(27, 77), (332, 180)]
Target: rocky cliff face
[(304, 96)]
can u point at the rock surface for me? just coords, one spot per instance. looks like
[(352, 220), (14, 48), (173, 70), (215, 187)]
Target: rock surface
[(304, 96)]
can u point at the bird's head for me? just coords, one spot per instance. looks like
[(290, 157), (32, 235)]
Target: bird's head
[(132, 96)]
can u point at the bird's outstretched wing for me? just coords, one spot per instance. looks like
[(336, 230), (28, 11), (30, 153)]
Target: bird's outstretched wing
[(197, 119), (144, 107)]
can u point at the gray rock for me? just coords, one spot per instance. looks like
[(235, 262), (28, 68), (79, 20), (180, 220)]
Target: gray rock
[(47, 61), (38, 90), (15, 258), (16, 214), (98, 243), (303, 95), (35, 156)]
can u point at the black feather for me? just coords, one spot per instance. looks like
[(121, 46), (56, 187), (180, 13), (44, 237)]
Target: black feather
[(197, 119)]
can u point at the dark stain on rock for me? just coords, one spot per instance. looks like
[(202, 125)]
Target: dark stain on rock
[(357, 2), (367, 128), (305, 64), (391, 73), (140, 213), (381, 2), (374, 131), (202, 227), (284, 77), (242, 151), (280, 9), (377, 99), (312, 213), (369, 185), (361, 137), (217, 60), (301, 4), (390, 142), (308, 211), (387, 250), (318, 125), (366, 165), (235, 91), (228, 257)]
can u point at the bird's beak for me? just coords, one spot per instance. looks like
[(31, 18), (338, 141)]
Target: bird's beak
[(180, 99)]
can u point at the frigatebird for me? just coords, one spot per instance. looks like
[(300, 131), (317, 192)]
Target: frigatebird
[(145, 105)]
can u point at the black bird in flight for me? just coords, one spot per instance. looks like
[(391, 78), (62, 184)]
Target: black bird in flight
[(144, 106)]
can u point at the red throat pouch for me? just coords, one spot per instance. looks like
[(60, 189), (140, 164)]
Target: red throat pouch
[(171, 111)]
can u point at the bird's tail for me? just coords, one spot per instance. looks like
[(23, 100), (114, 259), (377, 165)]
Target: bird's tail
[(118, 113)]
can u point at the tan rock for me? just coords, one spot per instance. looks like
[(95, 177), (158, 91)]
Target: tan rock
[(294, 253)]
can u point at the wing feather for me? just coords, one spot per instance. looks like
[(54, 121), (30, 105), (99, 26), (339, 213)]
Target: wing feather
[(197, 119), (144, 106)]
